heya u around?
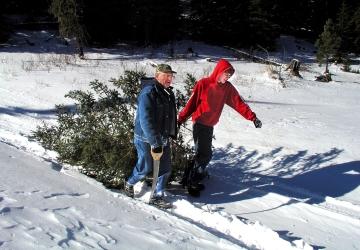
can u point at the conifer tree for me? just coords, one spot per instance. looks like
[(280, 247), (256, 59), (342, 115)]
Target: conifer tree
[(69, 14), (343, 26), (3, 31), (107, 22), (262, 30), (356, 30), (220, 22), (327, 44), (97, 132), (291, 16), (153, 22)]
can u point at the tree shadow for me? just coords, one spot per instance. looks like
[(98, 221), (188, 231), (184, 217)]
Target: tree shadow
[(44, 114), (238, 174), (334, 180)]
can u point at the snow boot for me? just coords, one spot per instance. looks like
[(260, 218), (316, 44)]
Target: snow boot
[(194, 189), (199, 186), (160, 202), (192, 177), (129, 189)]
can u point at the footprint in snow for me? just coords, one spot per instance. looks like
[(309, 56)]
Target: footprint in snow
[(7, 210)]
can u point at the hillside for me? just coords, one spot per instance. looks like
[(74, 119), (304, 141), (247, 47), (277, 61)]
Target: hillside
[(292, 184)]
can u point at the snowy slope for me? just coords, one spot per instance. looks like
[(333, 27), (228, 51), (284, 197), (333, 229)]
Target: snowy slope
[(292, 183), (41, 208)]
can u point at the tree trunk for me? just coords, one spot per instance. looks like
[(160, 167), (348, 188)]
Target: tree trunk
[(80, 48), (327, 66), (294, 67)]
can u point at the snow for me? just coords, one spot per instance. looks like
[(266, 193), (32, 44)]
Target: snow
[(293, 184), (54, 210)]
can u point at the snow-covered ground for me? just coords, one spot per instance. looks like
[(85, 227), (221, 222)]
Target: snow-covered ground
[(292, 184)]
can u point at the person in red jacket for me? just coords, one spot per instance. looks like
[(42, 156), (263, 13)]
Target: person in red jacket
[(205, 106)]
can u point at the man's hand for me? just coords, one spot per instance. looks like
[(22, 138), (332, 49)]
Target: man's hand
[(156, 153), (178, 124), (257, 123)]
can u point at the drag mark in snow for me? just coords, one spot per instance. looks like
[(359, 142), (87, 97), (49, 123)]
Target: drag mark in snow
[(70, 195), (228, 224), (27, 193)]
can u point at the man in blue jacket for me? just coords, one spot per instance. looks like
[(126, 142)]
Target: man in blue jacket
[(155, 124)]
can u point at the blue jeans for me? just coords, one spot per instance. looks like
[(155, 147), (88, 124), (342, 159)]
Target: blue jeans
[(144, 166)]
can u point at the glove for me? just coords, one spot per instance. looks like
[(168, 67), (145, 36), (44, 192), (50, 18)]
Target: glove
[(156, 153), (178, 124), (180, 120), (257, 123)]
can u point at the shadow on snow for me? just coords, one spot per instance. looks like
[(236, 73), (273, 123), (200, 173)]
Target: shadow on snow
[(16, 111), (237, 174), (35, 113)]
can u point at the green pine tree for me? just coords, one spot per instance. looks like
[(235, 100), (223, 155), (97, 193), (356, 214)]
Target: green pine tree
[(356, 30), (69, 14), (3, 30), (262, 30), (327, 44), (219, 22), (97, 133), (153, 22), (343, 26)]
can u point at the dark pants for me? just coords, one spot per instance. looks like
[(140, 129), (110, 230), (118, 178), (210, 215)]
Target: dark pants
[(203, 141)]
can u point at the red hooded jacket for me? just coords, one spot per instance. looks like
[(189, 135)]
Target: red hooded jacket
[(208, 98)]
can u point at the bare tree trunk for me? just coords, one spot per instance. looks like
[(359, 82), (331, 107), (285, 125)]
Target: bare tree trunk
[(327, 65), (326, 76), (80, 48)]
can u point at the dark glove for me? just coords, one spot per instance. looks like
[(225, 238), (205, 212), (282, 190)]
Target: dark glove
[(157, 149), (178, 124), (156, 153), (257, 123)]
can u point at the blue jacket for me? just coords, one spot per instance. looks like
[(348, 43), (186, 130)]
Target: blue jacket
[(156, 114)]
